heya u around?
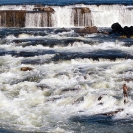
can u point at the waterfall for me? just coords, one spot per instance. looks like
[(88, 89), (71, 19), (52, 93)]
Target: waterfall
[(37, 20), (106, 15), (63, 17), (66, 16)]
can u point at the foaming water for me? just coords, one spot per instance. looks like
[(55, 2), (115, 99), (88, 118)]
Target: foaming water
[(68, 16), (72, 81)]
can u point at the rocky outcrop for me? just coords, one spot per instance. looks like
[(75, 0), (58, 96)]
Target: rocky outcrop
[(85, 10), (82, 16), (116, 28), (125, 32), (82, 9), (128, 31), (45, 9), (12, 18), (48, 9), (18, 18), (88, 30)]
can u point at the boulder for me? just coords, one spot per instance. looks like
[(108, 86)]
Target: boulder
[(85, 10), (116, 28), (88, 30), (131, 30), (26, 69), (127, 31)]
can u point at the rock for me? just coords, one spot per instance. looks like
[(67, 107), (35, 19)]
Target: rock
[(125, 101), (12, 18), (127, 31), (123, 36), (43, 86), (54, 99), (111, 113), (116, 28), (80, 111), (42, 8), (99, 98), (26, 69), (100, 103), (131, 30), (48, 9), (80, 99), (85, 10), (68, 90), (82, 16), (131, 36), (88, 30), (103, 32)]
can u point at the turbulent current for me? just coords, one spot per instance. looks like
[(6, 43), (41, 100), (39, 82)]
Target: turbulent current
[(55, 80), (68, 73)]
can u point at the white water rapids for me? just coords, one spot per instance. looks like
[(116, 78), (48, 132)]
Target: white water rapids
[(47, 97)]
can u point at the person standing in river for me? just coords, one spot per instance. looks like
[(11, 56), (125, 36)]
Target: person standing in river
[(125, 93)]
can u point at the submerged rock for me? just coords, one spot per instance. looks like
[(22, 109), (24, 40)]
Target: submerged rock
[(111, 113), (43, 86), (26, 69), (80, 99)]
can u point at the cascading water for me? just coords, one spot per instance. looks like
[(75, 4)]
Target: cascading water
[(58, 80), (37, 20), (63, 17), (72, 16)]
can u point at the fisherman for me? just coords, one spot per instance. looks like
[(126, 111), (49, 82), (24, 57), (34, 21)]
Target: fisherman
[(125, 89)]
